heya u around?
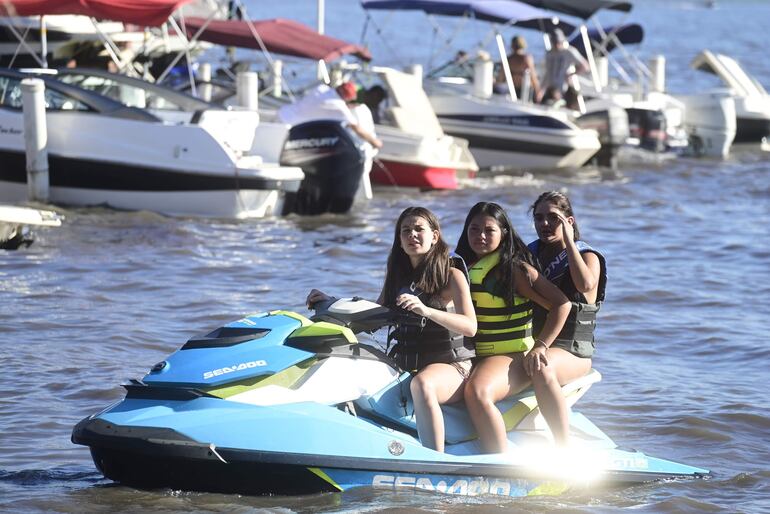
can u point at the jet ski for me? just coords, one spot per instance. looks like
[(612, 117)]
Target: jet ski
[(277, 403)]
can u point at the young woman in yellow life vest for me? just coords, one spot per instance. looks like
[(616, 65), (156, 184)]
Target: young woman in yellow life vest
[(505, 284), (421, 279)]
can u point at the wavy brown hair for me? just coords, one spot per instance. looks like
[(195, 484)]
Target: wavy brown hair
[(431, 275)]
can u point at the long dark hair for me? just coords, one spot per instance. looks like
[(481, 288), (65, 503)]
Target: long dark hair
[(561, 202), (513, 251), (430, 276)]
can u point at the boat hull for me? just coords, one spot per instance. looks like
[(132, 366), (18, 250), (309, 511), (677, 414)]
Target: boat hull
[(405, 174), (504, 146), (219, 197)]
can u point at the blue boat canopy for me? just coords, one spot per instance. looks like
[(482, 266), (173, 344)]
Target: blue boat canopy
[(496, 11), (580, 8)]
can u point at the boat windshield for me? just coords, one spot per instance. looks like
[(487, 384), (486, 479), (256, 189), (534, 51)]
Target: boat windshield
[(129, 95), (11, 97)]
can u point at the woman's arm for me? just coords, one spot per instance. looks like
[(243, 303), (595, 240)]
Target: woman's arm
[(533, 78), (584, 268), (536, 287), (462, 321), (315, 296)]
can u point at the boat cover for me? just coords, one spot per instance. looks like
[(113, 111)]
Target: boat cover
[(580, 8), (496, 11), (139, 12), (280, 36), (628, 34)]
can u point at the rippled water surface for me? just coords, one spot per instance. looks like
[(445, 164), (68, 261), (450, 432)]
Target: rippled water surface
[(683, 344)]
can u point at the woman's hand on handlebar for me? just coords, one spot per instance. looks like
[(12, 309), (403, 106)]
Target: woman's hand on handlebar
[(315, 296), (413, 304)]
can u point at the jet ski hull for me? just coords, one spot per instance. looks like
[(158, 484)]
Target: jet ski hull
[(330, 457)]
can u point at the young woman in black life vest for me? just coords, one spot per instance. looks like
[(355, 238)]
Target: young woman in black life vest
[(419, 270), (504, 284), (580, 273)]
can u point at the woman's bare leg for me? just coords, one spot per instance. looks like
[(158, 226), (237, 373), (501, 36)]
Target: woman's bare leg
[(434, 385), (563, 367), (493, 378)]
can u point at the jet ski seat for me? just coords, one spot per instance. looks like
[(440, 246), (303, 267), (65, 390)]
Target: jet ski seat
[(519, 411)]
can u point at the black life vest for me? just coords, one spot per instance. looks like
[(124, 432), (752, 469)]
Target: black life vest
[(420, 341), (577, 335)]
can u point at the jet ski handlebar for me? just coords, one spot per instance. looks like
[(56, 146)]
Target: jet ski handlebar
[(356, 313)]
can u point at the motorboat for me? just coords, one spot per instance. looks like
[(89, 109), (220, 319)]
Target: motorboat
[(752, 103), (700, 123), (102, 152), (502, 133), (512, 135), (92, 33), (60, 31), (326, 152), (277, 403), (16, 221), (416, 152)]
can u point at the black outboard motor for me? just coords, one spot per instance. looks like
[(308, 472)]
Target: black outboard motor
[(649, 126), (333, 165), (612, 125)]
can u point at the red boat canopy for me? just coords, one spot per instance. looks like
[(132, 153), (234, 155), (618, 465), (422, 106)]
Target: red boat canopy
[(147, 13), (280, 36)]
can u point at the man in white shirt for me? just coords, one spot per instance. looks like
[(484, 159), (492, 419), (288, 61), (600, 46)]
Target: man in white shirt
[(561, 61), (325, 103)]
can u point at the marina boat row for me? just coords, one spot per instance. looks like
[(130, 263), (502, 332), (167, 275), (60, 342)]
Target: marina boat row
[(187, 156)]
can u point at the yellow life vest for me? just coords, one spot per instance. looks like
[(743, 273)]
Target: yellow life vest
[(501, 328)]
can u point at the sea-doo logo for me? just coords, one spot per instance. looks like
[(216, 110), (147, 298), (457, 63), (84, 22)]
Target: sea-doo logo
[(461, 486), (236, 367), (313, 142)]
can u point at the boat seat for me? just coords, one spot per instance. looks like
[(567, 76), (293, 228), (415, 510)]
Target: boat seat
[(519, 411)]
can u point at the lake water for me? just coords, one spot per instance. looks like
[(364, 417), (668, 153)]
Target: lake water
[(682, 341)]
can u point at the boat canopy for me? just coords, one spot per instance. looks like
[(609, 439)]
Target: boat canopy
[(580, 8), (280, 36), (496, 11), (629, 34), (147, 13)]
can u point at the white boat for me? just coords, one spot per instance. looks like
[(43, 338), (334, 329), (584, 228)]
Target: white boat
[(512, 135), (15, 222), (752, 103), (416, 151), (101, 152), (60, 32)]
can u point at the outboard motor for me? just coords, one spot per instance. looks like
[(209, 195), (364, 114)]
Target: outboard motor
[(333, 164), (649, 126), (612, 125)]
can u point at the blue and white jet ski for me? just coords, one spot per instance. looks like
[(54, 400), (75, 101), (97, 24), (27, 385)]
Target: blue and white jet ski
[(276, 403)]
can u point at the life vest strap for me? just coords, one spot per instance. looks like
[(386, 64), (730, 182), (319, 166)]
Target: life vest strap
[(499, 325), (503, 336)]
